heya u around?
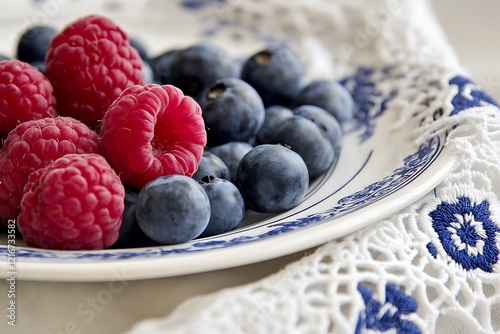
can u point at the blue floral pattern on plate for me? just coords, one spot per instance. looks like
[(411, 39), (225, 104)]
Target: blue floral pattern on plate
[(199, 4), (370, 104), (413, 166), (364, 85)]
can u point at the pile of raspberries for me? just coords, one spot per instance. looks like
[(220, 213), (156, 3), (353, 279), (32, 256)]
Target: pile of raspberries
[(72, 137)]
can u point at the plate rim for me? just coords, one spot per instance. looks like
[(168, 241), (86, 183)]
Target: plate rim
[(262, 250)]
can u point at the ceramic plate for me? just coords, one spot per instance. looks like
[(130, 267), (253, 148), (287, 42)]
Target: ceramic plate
[(379, 170)]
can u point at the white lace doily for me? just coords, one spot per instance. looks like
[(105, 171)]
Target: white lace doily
[(433, 267)]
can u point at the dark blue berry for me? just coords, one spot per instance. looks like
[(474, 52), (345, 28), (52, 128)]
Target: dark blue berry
[(305, 138), (172, 209), (329, 95), (3, 228), (147, 73), (272, 178), (131, 235), (227, 207), (232, 111), (325, 121), (130, 194), (141, 48), (147, 70), (39, 65), (275, 116), (231, 154), (32, 46), (276, 73), (211, 165), (161, 65), (198, 66)]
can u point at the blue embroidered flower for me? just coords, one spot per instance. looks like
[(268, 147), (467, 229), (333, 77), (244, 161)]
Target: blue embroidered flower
[(432, 249), (389, 315), (468, 96), (467, 233)]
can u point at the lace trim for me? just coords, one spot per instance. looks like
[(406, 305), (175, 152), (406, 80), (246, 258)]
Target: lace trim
[(434, 266)]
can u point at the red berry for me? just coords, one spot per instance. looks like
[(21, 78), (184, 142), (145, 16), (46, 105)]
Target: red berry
[(33, 145), (76, 202), (151, 131), (25, 94), (90, 62)]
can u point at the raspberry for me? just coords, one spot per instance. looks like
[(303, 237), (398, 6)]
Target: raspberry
[(33, 145), (90, 62), (74, 203), (152, 131), (25, 94)]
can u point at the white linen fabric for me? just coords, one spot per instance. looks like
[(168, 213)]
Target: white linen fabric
[(431, 268)]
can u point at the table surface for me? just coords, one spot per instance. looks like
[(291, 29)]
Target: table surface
[(113, 307)]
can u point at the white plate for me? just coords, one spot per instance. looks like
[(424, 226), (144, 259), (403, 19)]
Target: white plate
[(379, 171)]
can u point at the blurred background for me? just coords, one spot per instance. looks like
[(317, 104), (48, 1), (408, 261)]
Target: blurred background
[(472, 28)]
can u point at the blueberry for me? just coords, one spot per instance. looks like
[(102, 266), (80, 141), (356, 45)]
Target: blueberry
[(231, 154), (141, 48), (276, 73), (147, 73), (161, 66), (227, 207), (328, 124), (3, 228), (131, 235), (33, 44), (172, 209), (232, 111), (329, 95), (211, 165), (275, 115), (39, 65), (131, 194), (194, 68), (272, 178), (147, 70), (305, 138)]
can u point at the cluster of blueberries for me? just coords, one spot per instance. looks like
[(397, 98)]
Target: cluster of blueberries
[(268, 135)]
